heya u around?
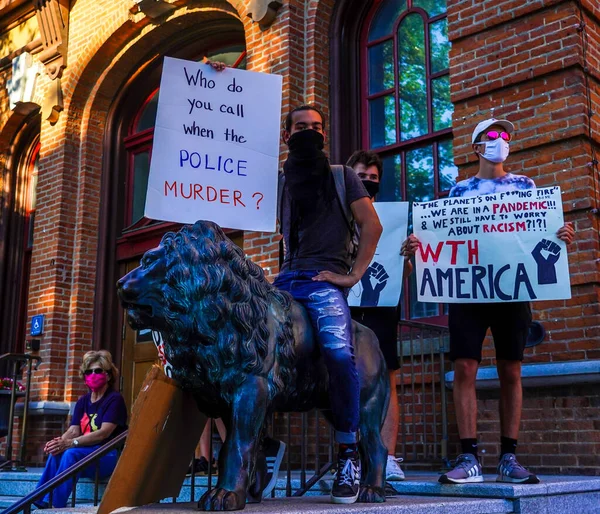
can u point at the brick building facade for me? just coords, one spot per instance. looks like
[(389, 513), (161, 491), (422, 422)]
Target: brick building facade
[(78, 84)]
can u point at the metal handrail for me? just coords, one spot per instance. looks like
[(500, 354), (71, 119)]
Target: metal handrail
[(24, 505), (16, 358), (432, 341), (423, 326)]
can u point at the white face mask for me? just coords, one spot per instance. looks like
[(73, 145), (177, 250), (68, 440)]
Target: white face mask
[(496, 151)]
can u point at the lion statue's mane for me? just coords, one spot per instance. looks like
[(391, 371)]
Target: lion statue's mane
[(223, 305)]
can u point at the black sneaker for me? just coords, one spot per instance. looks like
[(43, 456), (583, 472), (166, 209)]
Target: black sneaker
[(201, 466), (274, 451), (346, 484)]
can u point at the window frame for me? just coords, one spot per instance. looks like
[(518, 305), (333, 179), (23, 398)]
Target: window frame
[(29, 164), (400, 147)]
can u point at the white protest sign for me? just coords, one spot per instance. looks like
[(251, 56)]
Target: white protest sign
[(381, 284), (216, 147), (492, 248)]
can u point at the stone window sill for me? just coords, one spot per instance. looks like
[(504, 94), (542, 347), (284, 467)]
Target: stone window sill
[(540, 375)]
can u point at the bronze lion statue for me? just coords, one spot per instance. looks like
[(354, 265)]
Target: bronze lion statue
[(245, 349)]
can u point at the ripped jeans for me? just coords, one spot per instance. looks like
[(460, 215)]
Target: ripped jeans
[(329, 313)]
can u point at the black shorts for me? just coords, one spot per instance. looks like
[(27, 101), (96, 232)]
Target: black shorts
[(468, 324), (384, 322)]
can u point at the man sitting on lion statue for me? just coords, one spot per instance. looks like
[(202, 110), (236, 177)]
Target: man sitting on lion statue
[(246, 349)]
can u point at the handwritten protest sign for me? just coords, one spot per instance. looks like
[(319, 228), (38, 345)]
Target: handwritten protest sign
[(381, 284), (216, 147), (492, 248)]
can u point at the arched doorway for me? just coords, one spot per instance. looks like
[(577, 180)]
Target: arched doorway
[(125, 233), (16, 233)]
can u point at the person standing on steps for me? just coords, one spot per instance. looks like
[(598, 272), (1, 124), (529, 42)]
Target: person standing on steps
[(382, 320), (469, 322)]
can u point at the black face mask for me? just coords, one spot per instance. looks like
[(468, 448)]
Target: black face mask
[(371, 187), (306, 141), (307, 171)]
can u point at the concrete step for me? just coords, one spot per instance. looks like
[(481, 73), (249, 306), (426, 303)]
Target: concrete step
[(420, 492), (21, 483), (7, 501), (554, 494), (563, 494), (322, 505)]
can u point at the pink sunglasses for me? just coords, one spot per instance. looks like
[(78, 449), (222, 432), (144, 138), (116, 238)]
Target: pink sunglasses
[(493, 135)]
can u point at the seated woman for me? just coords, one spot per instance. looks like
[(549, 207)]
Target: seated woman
[(99, 416)]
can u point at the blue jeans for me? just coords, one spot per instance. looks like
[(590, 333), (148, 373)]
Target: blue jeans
[(329, 313), (57, 464)]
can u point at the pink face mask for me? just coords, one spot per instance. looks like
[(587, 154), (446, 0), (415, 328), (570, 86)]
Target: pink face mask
[(96, 382)]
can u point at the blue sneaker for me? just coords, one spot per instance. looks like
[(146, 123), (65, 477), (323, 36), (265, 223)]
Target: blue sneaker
[(509, 470), (467, 470)]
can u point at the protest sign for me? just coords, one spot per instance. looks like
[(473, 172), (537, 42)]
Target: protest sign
[(216, 147), (160, 347), (381, 284), (492, 248)]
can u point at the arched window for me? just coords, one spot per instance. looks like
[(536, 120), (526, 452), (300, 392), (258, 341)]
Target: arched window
[(406, 107)]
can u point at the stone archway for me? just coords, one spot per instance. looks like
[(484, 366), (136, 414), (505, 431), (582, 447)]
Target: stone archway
[(81, 158)]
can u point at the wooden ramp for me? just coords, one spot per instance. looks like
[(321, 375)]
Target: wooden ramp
[(164, 430)]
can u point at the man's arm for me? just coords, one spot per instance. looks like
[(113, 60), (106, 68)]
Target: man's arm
[(370, 230), (408, 249), (408, 268)]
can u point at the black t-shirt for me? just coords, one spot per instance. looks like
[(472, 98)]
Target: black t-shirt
[(323, 244)]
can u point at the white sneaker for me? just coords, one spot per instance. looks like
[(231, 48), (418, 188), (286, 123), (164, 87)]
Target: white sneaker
[(393, 470)]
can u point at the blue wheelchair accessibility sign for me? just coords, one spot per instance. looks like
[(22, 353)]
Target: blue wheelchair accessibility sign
[(37, 325)]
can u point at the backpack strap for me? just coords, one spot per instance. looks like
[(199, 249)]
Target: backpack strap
[(339, 176), (340, 188)]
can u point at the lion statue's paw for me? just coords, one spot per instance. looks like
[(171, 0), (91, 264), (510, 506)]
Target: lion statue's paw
[(221, 499), (370, 494)]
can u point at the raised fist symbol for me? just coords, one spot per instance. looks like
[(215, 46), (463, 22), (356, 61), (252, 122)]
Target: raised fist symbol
[(373, 282), (546, 265)]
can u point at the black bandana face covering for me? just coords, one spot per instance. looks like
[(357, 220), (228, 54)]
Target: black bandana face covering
[(371, 187), (307, 171), (309, 181)]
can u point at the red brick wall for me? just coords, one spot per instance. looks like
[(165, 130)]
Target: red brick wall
[(40, 429), (560, 430), (523, 59)]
